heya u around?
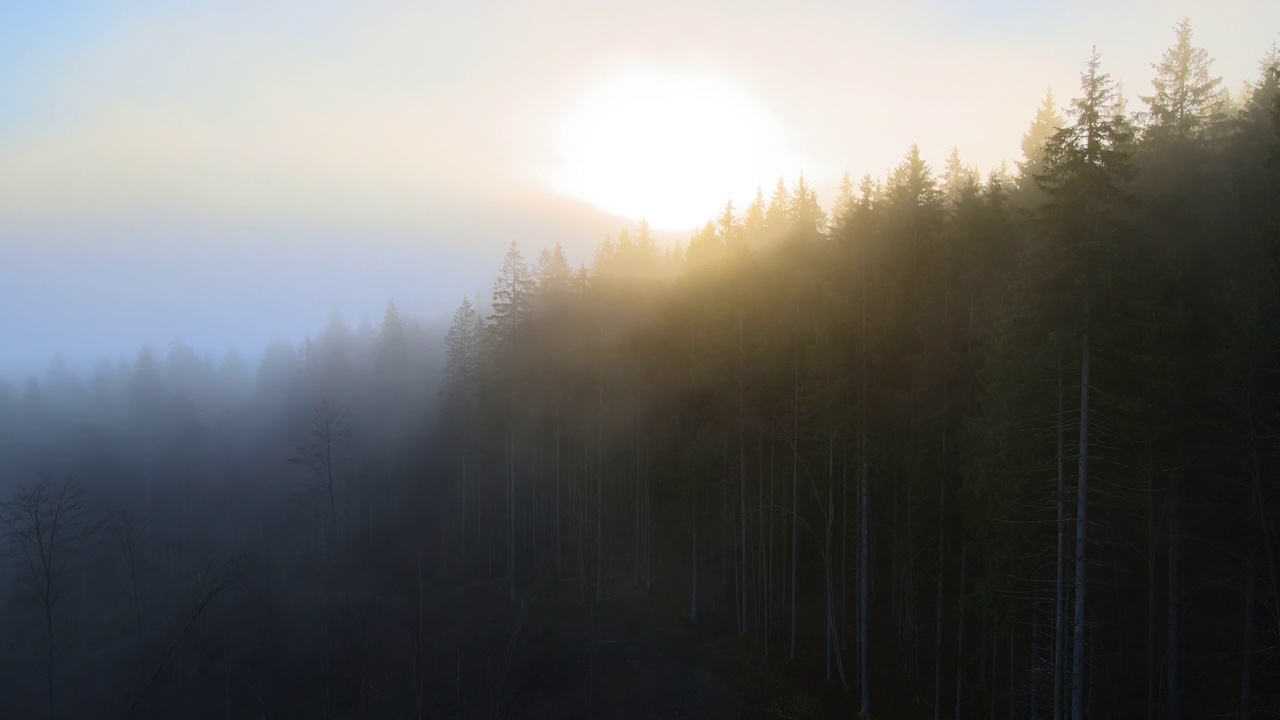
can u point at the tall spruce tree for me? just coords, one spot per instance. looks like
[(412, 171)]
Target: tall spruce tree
[(1087, 169)]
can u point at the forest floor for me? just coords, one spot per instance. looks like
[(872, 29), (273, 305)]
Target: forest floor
[(632, 656)]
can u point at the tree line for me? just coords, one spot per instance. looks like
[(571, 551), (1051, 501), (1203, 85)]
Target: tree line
[(966, 445), (192, 538), (1002, 444)]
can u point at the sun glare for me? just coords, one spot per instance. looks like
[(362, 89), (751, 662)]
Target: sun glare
[(667, 146)]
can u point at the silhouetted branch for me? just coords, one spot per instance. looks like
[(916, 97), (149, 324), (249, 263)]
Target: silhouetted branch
[(220, 578)]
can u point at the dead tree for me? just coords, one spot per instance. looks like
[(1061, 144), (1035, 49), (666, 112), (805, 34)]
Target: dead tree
[(48, 530), (322, 455)]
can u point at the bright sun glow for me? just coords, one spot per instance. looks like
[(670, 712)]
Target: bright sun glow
[(667, 146)]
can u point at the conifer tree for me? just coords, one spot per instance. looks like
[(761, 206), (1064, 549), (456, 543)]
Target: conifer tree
[(1046, 122), (804, 211), (1087, 168), (844, 199), (777, 216), (1187, 99), (753, 222)]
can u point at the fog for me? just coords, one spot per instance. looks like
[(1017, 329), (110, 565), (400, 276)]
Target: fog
[(92, 292), (711, 359), (229, 173)]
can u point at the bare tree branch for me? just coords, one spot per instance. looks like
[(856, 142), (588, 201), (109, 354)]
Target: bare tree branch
[(47, 529), (220, 578)]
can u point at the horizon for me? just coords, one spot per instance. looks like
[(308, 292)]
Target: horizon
[(215, 171)]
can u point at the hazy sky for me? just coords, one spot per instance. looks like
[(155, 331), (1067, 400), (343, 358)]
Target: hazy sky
[(231, 172)]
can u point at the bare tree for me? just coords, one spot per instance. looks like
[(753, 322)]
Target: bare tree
[(321, 454), (48, 529)]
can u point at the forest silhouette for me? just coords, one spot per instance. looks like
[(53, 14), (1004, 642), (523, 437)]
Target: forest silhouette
[(967, 445)]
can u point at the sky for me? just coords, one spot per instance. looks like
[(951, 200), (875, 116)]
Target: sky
[(232, 172)]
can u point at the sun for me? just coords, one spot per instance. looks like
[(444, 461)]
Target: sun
[(667, 145)]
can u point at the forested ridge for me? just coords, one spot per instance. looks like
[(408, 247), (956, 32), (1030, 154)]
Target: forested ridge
[(1002, 445)]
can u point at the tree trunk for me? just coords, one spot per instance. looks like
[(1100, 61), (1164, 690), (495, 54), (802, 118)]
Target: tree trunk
[(844, 544), (912, 654), (762, 567), (1034, 696), (693, 583), (964, 566), (582, 493), (511, 512), (895, 555), (1013, 668), (937, 636), (559, 508), (1174, 608), (1082, 532), (1246, 651), (1060, 578), (742, 481), (648, 527), (484, 523), (982, 650), (768, 611), (639, 540), (942, 488), (795, 497), (418, 675), (729, 541), (826, 554), (48, 625), (127, 530), (995, 665), (462, 541), (600, 476), (535, 508), (833, 631), (1264, 524), (693, 489), (864, 530), (1153, 531)]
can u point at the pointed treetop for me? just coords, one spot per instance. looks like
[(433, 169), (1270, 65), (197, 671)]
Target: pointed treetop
[(956, 176), (1047, 120), (805, 212), (644, 237), (392, 327), (1089, 162), (554, 272), (463, 350), (775, 216), (392, 346), (306, 350), (995, 188), (753, 222), (844, 198), (868, 189), (912, 183), (511, 290), (1187, 98), (391, 316), (728, 230)]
